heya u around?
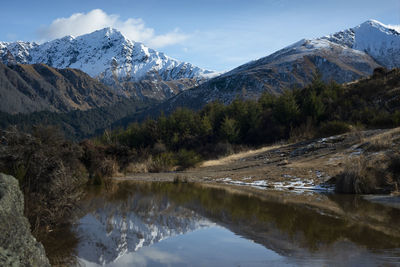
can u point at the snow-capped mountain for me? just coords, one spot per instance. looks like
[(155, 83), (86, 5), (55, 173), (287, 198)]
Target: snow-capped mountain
[(343, 57), (116, 229), (375, 39), (107, 55)]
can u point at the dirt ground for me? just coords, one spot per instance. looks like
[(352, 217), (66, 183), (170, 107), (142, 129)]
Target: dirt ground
[(304, 165)]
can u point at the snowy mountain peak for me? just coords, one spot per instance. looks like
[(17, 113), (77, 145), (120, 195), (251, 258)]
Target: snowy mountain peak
[(105, 34), (379, 26), (376, 39), (68, 38), (107, 55)]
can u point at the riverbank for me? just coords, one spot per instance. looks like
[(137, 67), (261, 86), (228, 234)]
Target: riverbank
[(302, 166)]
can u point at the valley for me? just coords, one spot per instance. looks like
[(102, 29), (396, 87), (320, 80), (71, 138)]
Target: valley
[(115, 154)]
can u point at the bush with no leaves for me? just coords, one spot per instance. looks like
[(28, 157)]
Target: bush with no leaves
[(49, 173)]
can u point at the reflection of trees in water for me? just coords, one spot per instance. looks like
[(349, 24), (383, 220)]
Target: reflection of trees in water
[(286, 228), (60, 246), (306, 226)]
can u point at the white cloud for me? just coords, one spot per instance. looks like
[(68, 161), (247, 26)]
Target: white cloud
[(134, 29), (147, 256)]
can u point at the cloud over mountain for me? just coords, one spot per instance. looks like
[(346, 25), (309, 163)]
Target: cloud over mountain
[(133, 28)]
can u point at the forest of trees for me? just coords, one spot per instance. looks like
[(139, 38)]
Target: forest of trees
[(78, 124), (320, 109)]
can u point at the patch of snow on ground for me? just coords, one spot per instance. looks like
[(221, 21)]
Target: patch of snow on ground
[(296, 184)]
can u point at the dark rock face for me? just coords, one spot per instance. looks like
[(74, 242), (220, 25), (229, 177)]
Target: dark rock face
[(8, 58), (155, 88), (17, 246)]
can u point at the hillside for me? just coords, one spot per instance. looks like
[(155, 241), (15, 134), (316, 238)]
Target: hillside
[(342, 57), (30, 88), (78, 124)]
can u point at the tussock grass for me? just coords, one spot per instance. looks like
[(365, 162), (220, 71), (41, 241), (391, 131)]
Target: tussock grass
[(237, 156), (138, 167), (360, 176), (379, 174)]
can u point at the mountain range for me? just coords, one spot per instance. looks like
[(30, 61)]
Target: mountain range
[(342, 57), (107, 55), (118, 68)]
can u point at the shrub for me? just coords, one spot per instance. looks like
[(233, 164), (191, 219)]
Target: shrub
[(304, 132), (107, 168), (187, 158), (362, 177), (138, 167), (379, 72), (101, 161), (382, 120), (394, 168), (213, 151), (162, 162), (122, 154), (159, 148), (49, 173), (333, 128)]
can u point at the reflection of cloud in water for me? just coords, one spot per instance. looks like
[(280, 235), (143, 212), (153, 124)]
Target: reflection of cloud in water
[(145, 256)]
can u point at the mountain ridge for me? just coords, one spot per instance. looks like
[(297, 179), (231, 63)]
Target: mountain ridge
[(105, 54), (29, 88), (341, 57)]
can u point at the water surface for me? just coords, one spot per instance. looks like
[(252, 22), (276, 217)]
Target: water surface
[(166, 224)]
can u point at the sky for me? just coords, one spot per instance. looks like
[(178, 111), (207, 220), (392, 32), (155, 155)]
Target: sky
[(213, 34)]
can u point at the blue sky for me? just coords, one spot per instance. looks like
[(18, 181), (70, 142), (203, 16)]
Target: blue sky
[(213, 34)]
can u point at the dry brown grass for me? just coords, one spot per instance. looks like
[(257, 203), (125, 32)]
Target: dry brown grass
[(160, 163), (380, 142), (364, 176), (138, 167), (108, 167), (237, 156)]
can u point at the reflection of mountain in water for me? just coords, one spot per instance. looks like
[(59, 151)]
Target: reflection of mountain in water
[(316, 230), (124, 226)]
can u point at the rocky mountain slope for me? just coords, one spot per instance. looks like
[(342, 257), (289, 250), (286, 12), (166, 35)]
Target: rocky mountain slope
[(29, 88), (344, 56), (112, 58), (378, 40)]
